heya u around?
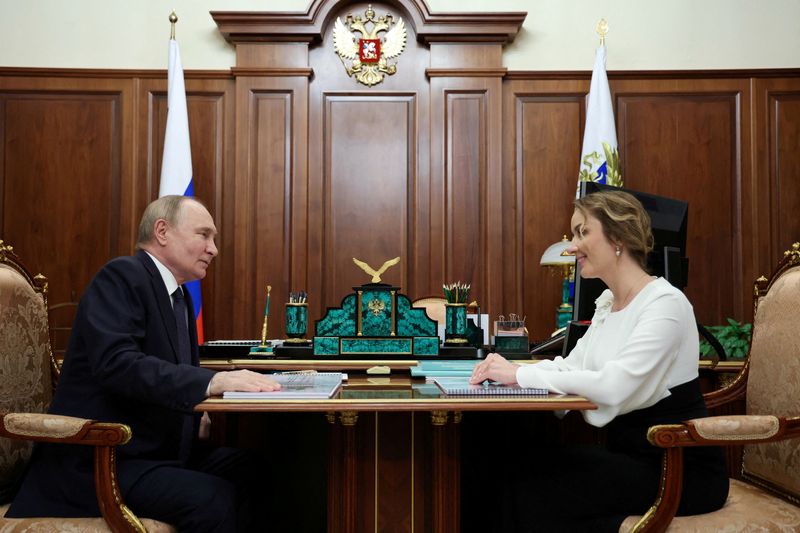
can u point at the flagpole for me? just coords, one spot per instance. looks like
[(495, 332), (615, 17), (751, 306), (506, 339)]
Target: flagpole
[(173, 18), (176, 163), (601, 29), (599, 161)]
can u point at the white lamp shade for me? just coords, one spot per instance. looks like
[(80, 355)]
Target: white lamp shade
[(556, 254)]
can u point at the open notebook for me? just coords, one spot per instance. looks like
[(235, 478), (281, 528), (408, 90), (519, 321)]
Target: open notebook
[(297, 385), (456, 386)]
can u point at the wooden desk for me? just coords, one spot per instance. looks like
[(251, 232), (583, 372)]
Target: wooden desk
[(393, 449)]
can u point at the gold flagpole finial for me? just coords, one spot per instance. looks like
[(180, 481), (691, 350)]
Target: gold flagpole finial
[(173, 18), (602, 30)]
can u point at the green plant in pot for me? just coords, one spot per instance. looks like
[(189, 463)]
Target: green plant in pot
[(734, 338)]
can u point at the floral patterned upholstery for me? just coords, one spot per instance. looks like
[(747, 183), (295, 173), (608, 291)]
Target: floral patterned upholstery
[(68, 525), (24, 366), (773, 385), (747, 509)]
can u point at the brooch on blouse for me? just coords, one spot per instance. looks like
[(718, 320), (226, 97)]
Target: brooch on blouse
[(602, 307)]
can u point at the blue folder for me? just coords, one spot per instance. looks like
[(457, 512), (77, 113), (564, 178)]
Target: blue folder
[(454, 368)]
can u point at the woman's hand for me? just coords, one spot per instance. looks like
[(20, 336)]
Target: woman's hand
[(496, 368)]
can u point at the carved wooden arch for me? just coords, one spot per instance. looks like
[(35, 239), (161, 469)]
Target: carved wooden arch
[(308, 26)]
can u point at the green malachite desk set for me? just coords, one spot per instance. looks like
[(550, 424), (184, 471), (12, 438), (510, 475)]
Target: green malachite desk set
[(374, 320)]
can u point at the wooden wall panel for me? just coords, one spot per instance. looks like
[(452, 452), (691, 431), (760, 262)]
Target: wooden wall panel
[(466, 235), (694, 136), (72, 143), (465, 183), (394, 491), (369, 177), (268, 235), (776, 180), (548, 134), (784, 146), (61, 183), (271, 148)]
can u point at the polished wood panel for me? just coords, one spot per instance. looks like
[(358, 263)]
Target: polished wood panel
[(465, 180), (547, 134), (370, 162), (784, 172), (61, 183), (466, 238), (693, 136), (342, 469), (394, 439), (271, 145), (270, 200)]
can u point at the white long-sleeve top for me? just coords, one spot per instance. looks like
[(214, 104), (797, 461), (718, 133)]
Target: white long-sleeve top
[(628, 359)]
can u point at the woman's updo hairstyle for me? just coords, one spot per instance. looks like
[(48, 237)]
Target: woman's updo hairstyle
[(623, 219)]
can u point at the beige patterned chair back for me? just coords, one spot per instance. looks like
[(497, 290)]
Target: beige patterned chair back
[(773, 383), (25, 358)]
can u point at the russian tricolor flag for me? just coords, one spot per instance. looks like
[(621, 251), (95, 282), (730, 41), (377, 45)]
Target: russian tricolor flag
[(600, 153), (176, 165)]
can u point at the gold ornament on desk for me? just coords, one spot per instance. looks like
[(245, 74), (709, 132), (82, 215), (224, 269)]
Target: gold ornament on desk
[(376, 274), (369, 55)]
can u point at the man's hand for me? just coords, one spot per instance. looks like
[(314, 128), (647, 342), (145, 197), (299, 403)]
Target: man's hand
[(205, 427), (241, 380), (496, 368)]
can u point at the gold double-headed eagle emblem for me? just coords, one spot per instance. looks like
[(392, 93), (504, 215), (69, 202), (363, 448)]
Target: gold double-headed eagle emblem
[(369, 56)]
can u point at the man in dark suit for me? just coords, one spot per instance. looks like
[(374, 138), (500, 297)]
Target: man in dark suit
[(132, 358)]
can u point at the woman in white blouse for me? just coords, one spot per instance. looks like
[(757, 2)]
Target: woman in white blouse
[(638, 363)]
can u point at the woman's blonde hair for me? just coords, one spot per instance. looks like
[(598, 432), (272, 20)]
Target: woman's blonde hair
[(624, 221)]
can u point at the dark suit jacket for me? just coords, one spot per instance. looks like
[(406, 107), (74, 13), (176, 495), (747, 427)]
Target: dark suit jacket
[(121, 366)]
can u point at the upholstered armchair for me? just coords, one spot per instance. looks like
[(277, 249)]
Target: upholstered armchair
[(26, 370), (768, 497)]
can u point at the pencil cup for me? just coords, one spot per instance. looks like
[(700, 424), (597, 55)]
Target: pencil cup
[(296, 322), (455, 323)]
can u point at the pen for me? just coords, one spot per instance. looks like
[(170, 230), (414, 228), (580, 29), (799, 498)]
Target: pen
[(266, 317)]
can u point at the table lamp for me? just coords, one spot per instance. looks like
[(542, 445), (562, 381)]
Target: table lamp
[(561, 262)]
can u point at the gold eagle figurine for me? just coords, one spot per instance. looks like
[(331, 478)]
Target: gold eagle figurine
[(376, 274)]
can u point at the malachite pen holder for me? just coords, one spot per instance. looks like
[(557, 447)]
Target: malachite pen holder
[(455, 323), (296, 322)]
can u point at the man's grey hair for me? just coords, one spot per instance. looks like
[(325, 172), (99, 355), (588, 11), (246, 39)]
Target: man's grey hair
[(167, 207)]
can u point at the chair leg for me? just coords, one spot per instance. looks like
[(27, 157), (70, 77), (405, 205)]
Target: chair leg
[(659, 516), (118, 517)]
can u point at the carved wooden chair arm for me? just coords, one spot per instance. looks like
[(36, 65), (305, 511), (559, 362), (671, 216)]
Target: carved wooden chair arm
[(712, 431), (70, 430), (735, 390), (725, 430), (64, 429)]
